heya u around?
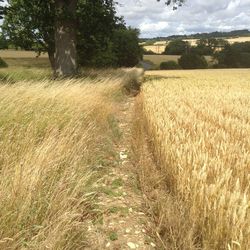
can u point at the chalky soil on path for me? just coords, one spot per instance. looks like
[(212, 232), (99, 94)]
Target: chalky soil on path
[(123, 223)]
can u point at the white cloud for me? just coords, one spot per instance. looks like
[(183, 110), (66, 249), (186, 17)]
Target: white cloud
[(156, 19), (233, 5), (148, 26)]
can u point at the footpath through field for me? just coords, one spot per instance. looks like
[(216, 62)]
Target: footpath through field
[(124, 223)]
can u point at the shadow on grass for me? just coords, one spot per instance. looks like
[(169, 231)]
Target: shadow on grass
[(158, 77)]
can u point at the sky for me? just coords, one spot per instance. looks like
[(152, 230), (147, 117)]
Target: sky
[(155, 19)]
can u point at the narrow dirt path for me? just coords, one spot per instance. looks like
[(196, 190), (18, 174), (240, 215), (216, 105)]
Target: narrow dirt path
[(123, 224)]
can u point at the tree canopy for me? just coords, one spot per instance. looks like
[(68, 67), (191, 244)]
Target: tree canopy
[(192, 61), (209, 46), (177, 47), (234, 56), (72, 31), (30, 25)]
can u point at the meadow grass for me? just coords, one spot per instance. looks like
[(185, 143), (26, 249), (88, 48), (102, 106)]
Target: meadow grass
[(28, 63), (158, 59), (197, 126), (56, 141), (15, 54), (15, 74), (24, 65)]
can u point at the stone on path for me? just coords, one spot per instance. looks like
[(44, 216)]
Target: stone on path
[(123, 155), (131, 245)]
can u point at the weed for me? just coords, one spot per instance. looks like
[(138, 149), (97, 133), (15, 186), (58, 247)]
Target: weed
[(117, 183), (113, 236)]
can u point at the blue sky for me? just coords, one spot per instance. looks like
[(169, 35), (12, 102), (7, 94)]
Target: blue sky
[(155, 19)]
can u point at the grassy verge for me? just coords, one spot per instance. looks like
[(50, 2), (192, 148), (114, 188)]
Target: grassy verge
[(56, 140)]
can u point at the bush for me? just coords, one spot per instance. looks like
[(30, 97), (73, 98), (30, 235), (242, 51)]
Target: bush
[(169, 65), (193, 61), (219, 66), (245, 60), (3, 64), (133, 81)]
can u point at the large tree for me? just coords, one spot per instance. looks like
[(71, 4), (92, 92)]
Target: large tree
[(54, 24), (97, 23), (47, 27), (177, 47)]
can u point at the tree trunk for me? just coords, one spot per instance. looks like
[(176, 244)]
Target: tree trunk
[(65, 38), (51, 55)]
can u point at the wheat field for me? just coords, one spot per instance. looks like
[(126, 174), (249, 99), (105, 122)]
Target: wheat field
[(198, 125), (54, 136)]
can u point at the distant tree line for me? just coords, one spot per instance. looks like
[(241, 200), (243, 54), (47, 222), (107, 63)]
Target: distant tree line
[(236, 55), (224, 55), (204, 47), (223, 35), (217, 34)]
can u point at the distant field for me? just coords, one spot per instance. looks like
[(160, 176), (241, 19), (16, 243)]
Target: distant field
[(20, 54), (158, 49), (27, 59), (239, 39), (160, 46), (158, 59), (28, 62), (230, 40)]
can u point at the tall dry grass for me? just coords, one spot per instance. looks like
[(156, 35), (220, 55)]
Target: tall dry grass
[(198, 128), (54, 139)]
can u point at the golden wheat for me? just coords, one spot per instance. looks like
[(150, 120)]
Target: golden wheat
[(199, 125)]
